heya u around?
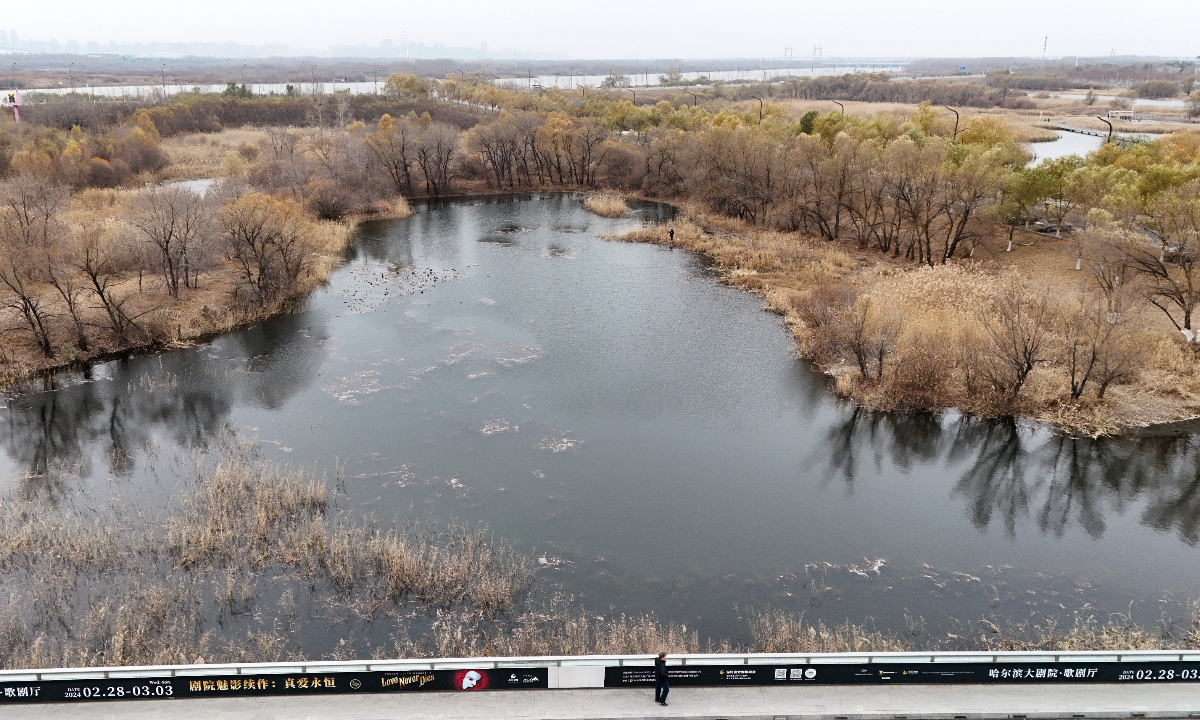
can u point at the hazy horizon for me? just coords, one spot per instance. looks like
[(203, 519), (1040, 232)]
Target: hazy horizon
[(536, 29)]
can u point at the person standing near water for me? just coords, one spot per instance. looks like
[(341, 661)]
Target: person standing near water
[(660, 679)]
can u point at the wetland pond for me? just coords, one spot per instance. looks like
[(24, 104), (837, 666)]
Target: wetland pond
[(644, 431)]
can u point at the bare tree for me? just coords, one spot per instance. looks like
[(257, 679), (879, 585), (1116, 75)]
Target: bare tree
[(30, 210), (174, 221), (21, 274), (870, 335), (1017, 328), (435, 147), (60, 276), (1112, 275), (282, 143), (271, 242), (394, 144), (102, 261), (28, 228), (966, 188), (1171, 274)]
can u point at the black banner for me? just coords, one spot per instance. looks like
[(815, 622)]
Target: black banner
[(910, 673), (292, 684), (474, 680)]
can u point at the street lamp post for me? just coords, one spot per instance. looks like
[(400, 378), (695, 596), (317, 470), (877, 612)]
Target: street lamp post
[(1110, 128), (843, 107), (760, 106), (955, 137), (71, 74), (695, 100)]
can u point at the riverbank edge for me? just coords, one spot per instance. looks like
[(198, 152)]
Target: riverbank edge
[(25, 376), (1179, 426), (19, 379)]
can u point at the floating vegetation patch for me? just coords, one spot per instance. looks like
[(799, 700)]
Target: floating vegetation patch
[(350, 389), (559, 444), (503, 353), (495, 427)]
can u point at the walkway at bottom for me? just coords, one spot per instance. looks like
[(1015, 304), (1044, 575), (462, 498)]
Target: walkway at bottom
[(934, 702)]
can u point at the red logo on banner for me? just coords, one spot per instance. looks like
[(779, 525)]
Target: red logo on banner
[(470, 680)]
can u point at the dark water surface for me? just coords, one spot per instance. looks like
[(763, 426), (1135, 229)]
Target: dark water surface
[(644, 430)]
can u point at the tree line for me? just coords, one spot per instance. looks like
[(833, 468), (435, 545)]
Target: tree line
[(922, 188)]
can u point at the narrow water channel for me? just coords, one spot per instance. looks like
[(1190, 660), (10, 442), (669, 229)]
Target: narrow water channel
[(642, 429)]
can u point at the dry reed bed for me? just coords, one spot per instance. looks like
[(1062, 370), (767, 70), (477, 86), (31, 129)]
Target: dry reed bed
[(106, 588), (255, 556), (937, 352), (606, 204)]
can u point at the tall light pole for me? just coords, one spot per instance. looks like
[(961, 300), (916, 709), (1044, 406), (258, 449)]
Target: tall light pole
[(760, 106), (164, 80), (955, 121), (71, 74), (695, 100), (843, 107)]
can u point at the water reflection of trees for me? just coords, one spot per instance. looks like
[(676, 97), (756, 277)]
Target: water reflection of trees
[(58, 433), (183, 397), (1013, 474)]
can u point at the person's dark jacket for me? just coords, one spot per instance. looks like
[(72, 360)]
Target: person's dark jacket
[(660, 669)]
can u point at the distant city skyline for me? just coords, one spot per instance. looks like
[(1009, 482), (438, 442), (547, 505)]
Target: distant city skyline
[(621, 29)]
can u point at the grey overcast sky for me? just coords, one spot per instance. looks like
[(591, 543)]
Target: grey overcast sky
[(640, 28)]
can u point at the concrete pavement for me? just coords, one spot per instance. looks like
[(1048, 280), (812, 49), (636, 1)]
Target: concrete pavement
[(814, 702)]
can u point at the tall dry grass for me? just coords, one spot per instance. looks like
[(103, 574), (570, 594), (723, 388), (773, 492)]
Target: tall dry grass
[(254, 558), (217, 576), (606, 204), (929, 326)]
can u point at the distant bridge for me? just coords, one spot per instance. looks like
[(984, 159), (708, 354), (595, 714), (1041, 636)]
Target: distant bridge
[(1081, 131)]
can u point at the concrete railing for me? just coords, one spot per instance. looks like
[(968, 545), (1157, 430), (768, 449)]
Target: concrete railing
[(588, 670)]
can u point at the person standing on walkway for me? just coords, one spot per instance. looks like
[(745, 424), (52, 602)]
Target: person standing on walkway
[(660, 679)]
